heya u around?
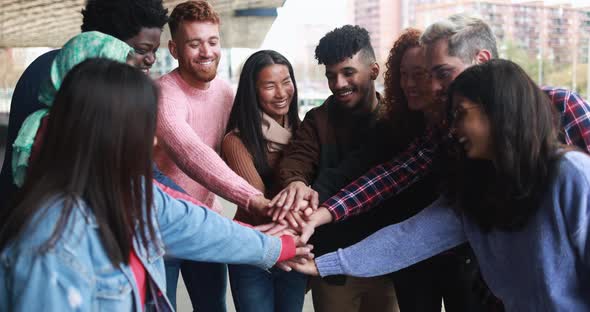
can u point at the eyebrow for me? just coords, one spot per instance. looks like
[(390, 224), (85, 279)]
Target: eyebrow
[(438, 67), (202, 39)]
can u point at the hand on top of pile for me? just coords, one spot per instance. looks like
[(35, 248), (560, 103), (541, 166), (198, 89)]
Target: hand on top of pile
[(297, 196)]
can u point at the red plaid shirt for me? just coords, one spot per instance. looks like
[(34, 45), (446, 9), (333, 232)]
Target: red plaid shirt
[(392, 177)]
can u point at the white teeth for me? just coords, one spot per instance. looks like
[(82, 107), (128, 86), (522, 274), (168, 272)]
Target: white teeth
[(462, 139), (345, 93), (205, 63)]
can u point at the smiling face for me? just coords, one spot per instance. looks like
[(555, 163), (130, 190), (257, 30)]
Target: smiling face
[(196, 46), (352, 81), (414, 79), (443, 68), (472, 128), (275, 90), (144, 44)]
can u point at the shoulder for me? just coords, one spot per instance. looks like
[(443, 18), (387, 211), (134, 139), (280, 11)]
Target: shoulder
[(42, 226), (319, 113), (562, 98), (222, 85), (571, 180), (43, 62), (37, 71), (575, 166), (169, 80), (224, 89)]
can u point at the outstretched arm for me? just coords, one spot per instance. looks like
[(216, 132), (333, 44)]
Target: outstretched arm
[(193, 232), (195, 158), (434, 230), (385, 180)]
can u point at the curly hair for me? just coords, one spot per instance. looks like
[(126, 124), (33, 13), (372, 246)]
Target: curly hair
[(123, 19), (194, 11), (344, 42), (407, 124)]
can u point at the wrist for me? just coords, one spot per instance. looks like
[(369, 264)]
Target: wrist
[(257, 203), (321, 216)]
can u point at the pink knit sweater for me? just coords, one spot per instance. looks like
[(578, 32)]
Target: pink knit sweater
[(191, 126)]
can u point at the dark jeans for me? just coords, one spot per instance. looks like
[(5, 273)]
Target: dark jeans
[(258, 290), (450, 276), (205, 282)]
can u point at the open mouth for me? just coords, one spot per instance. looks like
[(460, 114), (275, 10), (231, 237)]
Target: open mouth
[(344, 95), (205, 63), (281, 104)]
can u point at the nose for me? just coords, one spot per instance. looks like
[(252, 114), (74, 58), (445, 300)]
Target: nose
[(436, 85), (340, 82), (150, 58), (281, 92), (205, 50)]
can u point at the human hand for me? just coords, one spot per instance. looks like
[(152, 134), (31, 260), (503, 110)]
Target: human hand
[(319, 217), (305, 266), (258, 205), (296, 196)]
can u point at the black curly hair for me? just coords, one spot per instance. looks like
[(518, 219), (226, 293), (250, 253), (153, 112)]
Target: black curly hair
[(344, 42), (123, 19)]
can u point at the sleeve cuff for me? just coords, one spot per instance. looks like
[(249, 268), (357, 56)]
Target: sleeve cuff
[(329, 264), (335, 210), (288, 248)]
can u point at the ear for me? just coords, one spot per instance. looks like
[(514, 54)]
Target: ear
[(374, 71), (483, 56), (172, 48)]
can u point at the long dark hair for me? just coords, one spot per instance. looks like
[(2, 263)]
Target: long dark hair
[(406, 124), (505, 193), (98, 148), (246, 113)]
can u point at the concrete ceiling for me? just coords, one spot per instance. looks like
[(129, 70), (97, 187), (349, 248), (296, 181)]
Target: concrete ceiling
[(50, 23)]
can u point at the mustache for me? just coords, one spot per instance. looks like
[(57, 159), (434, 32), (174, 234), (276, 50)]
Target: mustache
[(342, 90)]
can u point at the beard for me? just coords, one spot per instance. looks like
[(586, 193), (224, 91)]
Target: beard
[(206, 75), (199, 73)]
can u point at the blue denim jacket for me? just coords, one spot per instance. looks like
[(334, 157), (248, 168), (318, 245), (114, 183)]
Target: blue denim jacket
[(76, 274)]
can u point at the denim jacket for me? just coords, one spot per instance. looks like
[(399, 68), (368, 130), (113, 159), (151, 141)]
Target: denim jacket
[(77, 275)]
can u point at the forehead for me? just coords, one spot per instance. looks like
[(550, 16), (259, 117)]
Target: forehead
[(146, 36), (273, 72), (199, 30), (413, 57), (437, 54), (356, 61)]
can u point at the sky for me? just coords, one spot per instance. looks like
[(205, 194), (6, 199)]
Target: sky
[(285, 33)]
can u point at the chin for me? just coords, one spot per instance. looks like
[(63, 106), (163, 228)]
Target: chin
[(207, 77)]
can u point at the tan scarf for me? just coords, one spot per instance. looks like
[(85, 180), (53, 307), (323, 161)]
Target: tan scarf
[(277, 137)]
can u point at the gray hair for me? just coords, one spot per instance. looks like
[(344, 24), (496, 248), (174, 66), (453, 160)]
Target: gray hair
[(467, 35)]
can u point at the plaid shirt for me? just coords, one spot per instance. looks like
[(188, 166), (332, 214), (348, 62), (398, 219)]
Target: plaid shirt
[(392, 177)]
